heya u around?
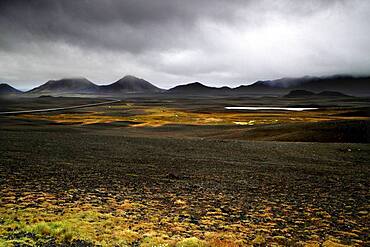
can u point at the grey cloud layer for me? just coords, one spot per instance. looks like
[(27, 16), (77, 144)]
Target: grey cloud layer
[(132, 25), (175, 41)]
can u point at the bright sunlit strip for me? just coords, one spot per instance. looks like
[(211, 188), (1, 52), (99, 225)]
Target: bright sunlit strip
[(269, 108)]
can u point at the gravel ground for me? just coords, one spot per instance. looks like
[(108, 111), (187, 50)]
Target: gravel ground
[(286, 193)]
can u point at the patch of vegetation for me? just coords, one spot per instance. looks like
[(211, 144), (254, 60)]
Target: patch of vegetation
[(150, 116)]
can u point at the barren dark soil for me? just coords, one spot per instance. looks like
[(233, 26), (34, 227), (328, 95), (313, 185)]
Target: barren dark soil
[(287, 193), (185, 173)]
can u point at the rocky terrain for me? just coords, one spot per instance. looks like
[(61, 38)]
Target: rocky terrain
[(60, 186), (184, 172)]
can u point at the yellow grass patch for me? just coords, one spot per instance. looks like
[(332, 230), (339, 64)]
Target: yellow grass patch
[(159, 116)]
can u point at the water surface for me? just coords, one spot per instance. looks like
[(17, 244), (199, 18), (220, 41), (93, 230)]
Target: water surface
[(256, 108)]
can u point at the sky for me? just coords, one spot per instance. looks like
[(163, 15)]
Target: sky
[(171, 42)]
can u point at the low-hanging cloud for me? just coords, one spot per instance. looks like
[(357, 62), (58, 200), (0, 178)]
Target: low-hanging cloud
[(219, 42)]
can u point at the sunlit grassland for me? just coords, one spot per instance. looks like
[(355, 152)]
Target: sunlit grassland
[(40, 218), (112, 224), (140, 116)]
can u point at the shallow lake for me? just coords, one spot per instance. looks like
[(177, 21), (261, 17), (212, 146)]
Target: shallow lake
[(256, 108)]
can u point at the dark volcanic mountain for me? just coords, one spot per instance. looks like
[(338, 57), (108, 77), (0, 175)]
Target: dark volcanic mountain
[(197, 88), (329, 86), (340, 83), (7, 90), (343, 84), (129, 84), (66, 86)]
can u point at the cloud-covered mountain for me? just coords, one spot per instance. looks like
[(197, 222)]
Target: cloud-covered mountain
[(126, 85), (197, 88), (66, 86), (129, 84), (7, 90), (331, 85), (340, 83)]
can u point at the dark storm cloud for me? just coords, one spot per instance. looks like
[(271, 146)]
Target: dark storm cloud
[(175, 41), (132, 25)]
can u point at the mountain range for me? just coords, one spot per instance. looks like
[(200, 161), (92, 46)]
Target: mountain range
[(344, 84), (127, 85)]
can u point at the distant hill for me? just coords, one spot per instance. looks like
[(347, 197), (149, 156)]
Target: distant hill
[(305, 93), (340, 83), (129, 84), (66, 86), (197, 88), (299, 93), (259, 88), (7, 90), (332, 94)]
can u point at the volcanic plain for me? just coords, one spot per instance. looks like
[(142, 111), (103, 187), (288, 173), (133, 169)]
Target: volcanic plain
[(170, 171)]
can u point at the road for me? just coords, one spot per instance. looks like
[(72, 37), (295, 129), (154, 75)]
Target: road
[(58, 108)]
